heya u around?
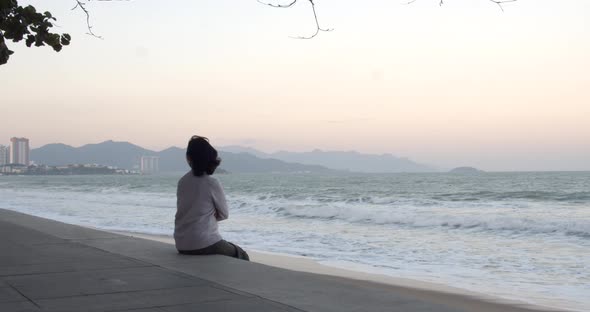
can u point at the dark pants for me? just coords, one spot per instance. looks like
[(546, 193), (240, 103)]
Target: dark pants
[(222, 247)]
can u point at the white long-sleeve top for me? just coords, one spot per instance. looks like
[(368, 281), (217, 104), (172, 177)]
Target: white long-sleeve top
[(200, 204)]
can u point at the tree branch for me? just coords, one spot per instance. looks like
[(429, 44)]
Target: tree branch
[(501, 2), (81, 4), (278, 5), (315, 16)]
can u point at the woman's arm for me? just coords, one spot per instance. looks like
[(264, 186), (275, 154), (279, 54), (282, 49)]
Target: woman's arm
[(221, 210), (178, 207)]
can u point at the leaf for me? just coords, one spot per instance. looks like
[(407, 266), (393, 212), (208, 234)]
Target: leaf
[(65, 39), (4, 53), (30, 40), (30, 10)]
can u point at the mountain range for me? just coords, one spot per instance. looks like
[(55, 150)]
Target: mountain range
[(338, 160), (126, 155), (234, 159)]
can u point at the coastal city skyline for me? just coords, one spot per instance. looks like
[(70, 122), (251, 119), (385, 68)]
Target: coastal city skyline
[(16, 153), (16, 159)]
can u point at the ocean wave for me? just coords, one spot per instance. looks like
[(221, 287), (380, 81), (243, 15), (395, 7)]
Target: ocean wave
[(522, 195), (520, 211), (475, 197), (491, 217), (486, 222)]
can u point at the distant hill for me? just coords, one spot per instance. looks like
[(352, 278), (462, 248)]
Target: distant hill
[(466, 170), (119, 154), (241, 149), (126, 155), (244, 162), (351, 161)]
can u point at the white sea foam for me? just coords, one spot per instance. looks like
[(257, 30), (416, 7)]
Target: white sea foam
[(489, 217)]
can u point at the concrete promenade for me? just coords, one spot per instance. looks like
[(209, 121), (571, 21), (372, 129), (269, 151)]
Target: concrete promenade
[(51, 266)]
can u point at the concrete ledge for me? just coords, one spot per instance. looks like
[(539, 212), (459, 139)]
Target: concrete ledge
[(51, 266)]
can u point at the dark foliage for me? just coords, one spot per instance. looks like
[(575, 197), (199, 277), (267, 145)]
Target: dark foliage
[(19, 23)]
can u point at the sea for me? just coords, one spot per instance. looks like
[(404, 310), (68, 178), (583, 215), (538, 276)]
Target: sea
[(519, 236)]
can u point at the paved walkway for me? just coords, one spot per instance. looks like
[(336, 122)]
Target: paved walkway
[(51, 266)]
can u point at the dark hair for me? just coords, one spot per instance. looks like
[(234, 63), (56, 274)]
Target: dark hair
[(202, 156)]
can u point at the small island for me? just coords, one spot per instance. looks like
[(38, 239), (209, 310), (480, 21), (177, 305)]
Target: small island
[(470, 170)]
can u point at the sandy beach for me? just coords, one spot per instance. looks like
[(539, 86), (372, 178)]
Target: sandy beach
[(472, 301)]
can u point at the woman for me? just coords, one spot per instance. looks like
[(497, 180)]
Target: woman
[(201, 204)]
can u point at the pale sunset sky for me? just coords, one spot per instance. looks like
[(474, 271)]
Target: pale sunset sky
[(461, 84)]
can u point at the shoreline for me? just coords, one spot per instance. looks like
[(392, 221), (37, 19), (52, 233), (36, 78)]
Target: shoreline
[(308, 265)]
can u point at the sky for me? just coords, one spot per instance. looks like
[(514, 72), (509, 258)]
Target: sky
[(463, 84)]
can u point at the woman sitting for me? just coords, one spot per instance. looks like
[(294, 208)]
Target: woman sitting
[(201, 204)]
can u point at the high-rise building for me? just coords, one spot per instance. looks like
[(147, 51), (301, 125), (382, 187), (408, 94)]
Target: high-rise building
[(4, 157), (19, 151), (150, 164)]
